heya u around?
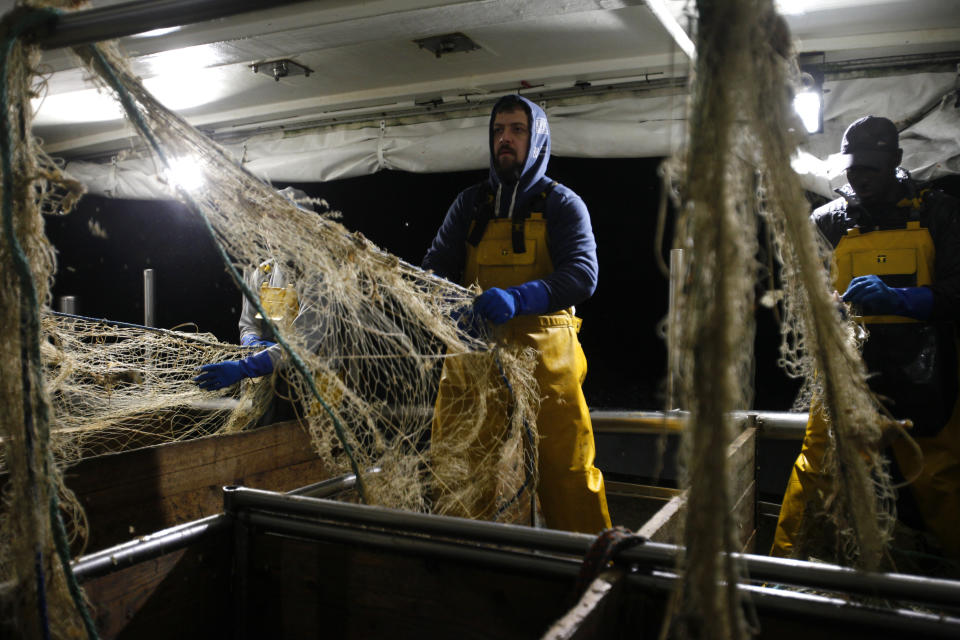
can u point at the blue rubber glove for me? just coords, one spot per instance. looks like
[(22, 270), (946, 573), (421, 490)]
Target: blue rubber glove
[(917, 302), (874, 297), (253, 340), (223, 374), (499, 305)]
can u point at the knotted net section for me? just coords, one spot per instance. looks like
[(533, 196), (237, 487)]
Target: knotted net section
[(734, 172), (361, 362)]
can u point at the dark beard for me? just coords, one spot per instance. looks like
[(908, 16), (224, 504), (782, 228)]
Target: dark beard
[(509, 175)]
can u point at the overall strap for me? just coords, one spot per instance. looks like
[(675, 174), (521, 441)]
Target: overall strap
[(537, 205), (482, 213)]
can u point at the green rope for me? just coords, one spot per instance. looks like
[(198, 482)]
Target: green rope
[(137, 118), (18, 22)]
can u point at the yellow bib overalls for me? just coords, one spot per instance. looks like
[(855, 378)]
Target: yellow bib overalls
[(282, 307), (571, 489), (907, 254)]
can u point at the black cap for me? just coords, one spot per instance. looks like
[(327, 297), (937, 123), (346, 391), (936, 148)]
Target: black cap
[(870, 142)]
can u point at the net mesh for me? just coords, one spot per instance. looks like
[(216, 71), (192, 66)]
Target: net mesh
[(364, 364), (361, 362), (735, 171)]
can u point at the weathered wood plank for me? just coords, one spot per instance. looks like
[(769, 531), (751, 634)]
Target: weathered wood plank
[(183, 594), (744, 511), (588, 619), (145, 490), (664, 526), (304, 589)]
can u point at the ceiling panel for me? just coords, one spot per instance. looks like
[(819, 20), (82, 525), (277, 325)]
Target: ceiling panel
[(362, 53)]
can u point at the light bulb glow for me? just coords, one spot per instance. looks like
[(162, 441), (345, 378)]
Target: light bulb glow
[(180, 80), (185, 173), (807, 105)]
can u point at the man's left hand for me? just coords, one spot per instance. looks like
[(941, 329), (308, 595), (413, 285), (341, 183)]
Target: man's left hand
[(496, 305), (873, 296)]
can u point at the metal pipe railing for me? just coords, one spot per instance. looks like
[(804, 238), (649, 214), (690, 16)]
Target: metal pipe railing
[(146, 548), (772, 601), (823, 576), (541, 552), (779, 425), (183, 535)]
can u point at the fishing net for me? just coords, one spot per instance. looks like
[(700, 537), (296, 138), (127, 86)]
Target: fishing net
[(364, 357), (735, 171), (361, 361)]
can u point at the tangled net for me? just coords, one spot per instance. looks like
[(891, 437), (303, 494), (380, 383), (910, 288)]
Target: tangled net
[(362, 360), (363, 372), (736, 170)]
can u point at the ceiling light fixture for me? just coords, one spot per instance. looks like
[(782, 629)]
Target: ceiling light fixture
[(808, 101), (281, 69), (447, 43)]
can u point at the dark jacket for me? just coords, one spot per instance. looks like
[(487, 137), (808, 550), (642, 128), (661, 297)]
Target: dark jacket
[(572, 247), (937, 211), (913, 366)]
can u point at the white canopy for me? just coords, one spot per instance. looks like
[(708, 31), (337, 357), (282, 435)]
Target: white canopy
[(614, 126)]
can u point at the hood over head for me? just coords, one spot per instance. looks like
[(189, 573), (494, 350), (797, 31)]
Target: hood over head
[(535, 166)]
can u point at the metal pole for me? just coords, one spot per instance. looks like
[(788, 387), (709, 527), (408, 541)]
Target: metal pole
[(676, 286), (663, 582), (146, 548), (128, 18), (834, 577), (149, 298), (183, 535), (67, 304)]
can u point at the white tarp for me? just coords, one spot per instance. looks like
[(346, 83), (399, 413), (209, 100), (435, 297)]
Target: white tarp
[(619, 127)]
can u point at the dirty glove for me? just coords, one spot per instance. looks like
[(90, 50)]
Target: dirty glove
[(253, 340), (223, 374), (499, 305), (874, 297)]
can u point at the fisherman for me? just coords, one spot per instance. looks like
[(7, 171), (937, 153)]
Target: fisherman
[(273, 284), (528, 243), (897, 251)]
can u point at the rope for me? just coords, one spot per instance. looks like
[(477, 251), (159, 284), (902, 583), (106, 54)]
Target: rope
[(128, 325), (602, 553), (137, 118), (22, 20), (529, 449)]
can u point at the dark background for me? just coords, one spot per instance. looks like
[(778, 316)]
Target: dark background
[(401, 212)]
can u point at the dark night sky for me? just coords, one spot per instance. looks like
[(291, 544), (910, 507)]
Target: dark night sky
[(401, 212)]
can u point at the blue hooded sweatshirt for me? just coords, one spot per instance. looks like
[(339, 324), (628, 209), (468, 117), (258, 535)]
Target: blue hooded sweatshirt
[(572, 247)]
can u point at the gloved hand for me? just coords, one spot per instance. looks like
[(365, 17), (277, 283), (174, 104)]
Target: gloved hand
[(499, 305), (874, 297), (223, 374), (253, 340)]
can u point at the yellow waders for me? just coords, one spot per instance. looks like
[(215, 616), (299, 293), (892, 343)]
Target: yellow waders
[(570, 487), (902, 252)]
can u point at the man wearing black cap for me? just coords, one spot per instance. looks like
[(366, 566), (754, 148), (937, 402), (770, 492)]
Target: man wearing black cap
[(897, 253)]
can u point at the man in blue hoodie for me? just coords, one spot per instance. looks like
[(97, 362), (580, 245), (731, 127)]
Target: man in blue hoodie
[(527, 242)]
